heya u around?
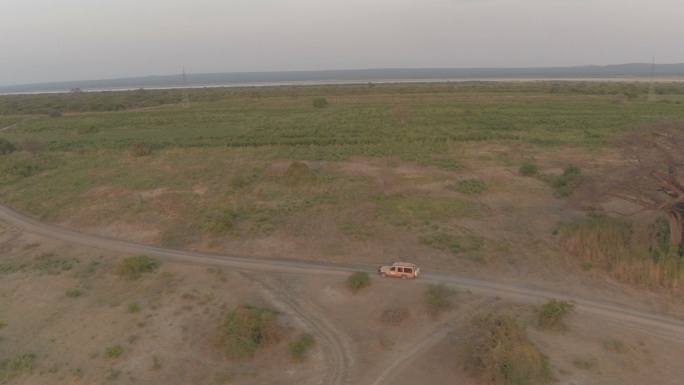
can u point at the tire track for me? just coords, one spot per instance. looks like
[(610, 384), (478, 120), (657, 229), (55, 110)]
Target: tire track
[(337, 345)]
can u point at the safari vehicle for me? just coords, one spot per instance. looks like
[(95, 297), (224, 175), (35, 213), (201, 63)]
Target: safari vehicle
[(401, 270)]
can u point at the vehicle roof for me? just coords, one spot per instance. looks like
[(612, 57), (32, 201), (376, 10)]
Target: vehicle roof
[(407, 264)]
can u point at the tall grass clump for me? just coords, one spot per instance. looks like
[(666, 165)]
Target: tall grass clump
[(633, 254), (134, 267), (247, 329), (551, 314), (499, 351), (113, 351), (16, 365)]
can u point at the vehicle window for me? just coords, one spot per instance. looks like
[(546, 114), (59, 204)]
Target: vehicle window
[(408, 270), (393, 269)]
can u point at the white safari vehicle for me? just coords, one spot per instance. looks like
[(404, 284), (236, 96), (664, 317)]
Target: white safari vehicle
[(401, 270)]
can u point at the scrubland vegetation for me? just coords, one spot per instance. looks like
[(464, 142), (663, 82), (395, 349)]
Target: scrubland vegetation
[(252, 164)]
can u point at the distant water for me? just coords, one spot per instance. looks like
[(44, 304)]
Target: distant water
[(342, 82)]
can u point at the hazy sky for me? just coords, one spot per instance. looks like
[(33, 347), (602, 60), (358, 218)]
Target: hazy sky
[(51, 40)]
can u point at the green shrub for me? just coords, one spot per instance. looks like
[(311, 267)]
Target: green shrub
[(499, 350), (564, 184), (134, 267), (246, 329), (113, 351), (73, 293), (299, 346), (156, 362), (551, 314), (437, 298), (528, 169), (6, 147), (133, 307), (320, 102), (358, 280), (469, 186), (298, 173)]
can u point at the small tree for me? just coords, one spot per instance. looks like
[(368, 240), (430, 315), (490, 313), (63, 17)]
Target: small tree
[(32, 146)]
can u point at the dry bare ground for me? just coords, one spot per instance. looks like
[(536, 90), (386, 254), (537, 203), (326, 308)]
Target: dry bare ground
[(618, 334)]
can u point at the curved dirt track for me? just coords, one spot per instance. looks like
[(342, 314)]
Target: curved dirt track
[(338, 347)]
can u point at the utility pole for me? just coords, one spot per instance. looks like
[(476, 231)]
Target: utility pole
[(651, 90), (186, 99)]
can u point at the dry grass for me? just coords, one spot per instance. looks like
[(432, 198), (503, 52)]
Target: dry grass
[(394, 316), (632, 252)]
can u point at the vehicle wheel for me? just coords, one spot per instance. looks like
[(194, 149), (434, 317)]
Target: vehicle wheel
[(383, 275), (403, 277)]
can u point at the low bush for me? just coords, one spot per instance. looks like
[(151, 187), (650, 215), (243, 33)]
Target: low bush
[(320, 102), (73, 293), (551, 314), (469, 186), (298, 173), (113, 351), (563, 184), (247, 329), (299, 347), (437, 298), (358, 280), (499, 351), (6, 147), (134, 267), (528, 169)]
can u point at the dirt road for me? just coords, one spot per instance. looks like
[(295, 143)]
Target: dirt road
[(654, 323)]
